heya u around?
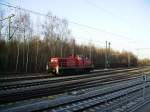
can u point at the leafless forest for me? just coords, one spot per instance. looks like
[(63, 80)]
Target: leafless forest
[(29, 45)]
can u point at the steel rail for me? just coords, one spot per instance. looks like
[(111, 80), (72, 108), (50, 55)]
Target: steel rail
[(38, 75), (56, 88), (18, 84), (111, 92)]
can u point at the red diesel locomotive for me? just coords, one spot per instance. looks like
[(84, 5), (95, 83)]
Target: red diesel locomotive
[(73, 64)]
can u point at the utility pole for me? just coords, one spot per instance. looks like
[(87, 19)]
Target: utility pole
[(128, 59), (27, 58), (90, 55), (109, 54), (9, 26), (9, 20), (106, 60), (61, 48), (73, 49), (37, 52), (90, 52)]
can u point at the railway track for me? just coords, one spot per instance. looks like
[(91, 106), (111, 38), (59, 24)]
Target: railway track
[(43, 80), (107, 98), (116, 101), (31, 76), (89, 101), (11, 95), (24, 77)]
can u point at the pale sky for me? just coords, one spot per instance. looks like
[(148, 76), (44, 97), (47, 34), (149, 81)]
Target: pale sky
[(128, 18)]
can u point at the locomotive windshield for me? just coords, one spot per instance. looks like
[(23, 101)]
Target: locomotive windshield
[(82, 57)]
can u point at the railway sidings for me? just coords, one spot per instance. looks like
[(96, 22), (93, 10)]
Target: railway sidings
[(113, 90)]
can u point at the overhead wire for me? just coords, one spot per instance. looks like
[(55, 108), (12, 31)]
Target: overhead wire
[(129, 39), (104, 10), (73, 22)]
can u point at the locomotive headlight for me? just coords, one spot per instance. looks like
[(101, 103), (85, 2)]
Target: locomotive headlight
[(53, 60)]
